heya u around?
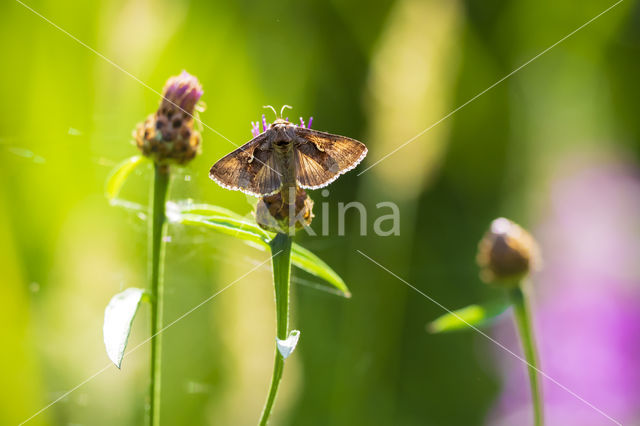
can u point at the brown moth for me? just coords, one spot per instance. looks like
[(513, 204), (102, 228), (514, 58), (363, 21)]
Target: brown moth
[(284, 156)]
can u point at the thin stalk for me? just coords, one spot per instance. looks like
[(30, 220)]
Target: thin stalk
[(156, 285), (522, 316), (281, 252)]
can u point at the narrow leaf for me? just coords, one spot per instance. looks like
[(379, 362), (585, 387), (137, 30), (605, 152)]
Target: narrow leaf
[(208, 210), (229, 226), (119, 174), (472, 315), (118, 317), (309, 262), (254, 234)]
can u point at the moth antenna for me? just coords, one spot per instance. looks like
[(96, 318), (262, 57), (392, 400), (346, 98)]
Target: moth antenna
[(272, 109), (282, 109)]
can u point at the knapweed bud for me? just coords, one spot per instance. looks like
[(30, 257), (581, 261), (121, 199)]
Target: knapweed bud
[(168, 136), (276, 215), (506, 253)]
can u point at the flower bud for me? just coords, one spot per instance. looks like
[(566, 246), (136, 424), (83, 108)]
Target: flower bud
[(168, 136), (181, 92), (506, 253), (273, 214)]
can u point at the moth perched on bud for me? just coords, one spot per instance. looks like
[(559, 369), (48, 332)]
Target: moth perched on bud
[(286, 156), (506, 253)]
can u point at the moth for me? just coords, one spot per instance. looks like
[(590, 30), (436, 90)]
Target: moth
[(284, 156)]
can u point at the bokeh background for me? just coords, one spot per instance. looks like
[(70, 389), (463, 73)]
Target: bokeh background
[(554, 147)]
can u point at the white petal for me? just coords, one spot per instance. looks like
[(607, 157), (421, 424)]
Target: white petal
[(286, 347)]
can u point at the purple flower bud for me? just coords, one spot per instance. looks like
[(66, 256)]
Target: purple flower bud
[(255, 128), (182, 91), (168, 135)]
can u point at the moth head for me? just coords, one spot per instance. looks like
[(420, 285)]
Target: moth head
[(281, 134), (279, 122)]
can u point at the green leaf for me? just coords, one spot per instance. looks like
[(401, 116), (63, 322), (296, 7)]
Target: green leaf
[(207, 210), (118, 317), (472, 315), (230, 226), (253, 233), (309, 262), (119, 174), (229, 223)]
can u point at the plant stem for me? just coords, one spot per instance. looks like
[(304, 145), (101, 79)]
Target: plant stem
[(522, 316), (155, 264), (281, 252)]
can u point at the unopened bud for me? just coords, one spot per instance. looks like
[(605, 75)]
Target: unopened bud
[(276, 215), (168, 136), (506, 253)]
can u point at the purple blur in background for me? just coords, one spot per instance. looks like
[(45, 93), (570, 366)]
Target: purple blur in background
[(586, 305)]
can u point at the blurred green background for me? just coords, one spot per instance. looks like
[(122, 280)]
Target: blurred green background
[(380, 72)]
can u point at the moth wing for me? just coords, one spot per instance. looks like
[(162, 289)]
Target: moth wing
[(267, 180), (251, 169), (322, 157)]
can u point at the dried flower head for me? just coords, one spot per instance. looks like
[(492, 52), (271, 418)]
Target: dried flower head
[(274, 214), (168, 136), (506, 253)]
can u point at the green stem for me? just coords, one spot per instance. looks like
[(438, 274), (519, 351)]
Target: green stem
[(156, 261), (522, 316), (281, 252)]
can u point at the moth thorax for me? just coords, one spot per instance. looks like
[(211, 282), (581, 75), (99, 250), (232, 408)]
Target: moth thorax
[(283, 145)]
